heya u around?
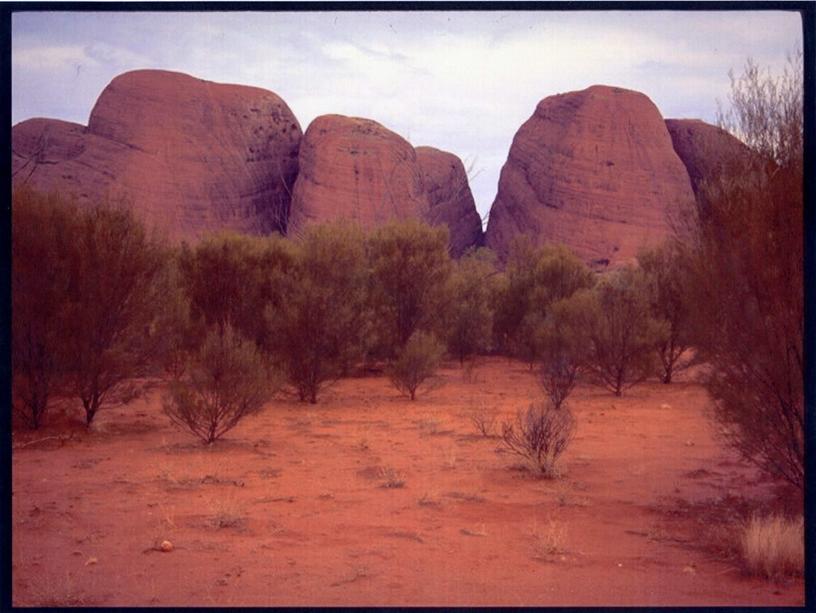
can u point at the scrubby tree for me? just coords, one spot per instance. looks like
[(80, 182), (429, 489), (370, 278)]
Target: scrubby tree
[(42, 237), (621, 330), (230, 279), (179, 334), (226, 380), (319, 327), (535, 278), (111, 304), (410, 267), (470, 313), (512, 297), (416, 363), (565, 344), (669, 302), (745, 274)]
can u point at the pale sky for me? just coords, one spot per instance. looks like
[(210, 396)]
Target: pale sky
[(459, 81)]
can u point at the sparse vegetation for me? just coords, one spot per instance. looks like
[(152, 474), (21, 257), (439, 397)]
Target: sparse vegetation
[(225, 513), (540, 434), (450, 456), (479, 530)]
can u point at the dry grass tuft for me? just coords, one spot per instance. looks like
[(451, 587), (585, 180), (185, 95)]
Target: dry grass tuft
[(226, 513), (450, 457), (773, 546), (484, 421), (548, 538), (477, 531), (429, 499), (429, 427), (56, 592), (391, 478), (466, 496)]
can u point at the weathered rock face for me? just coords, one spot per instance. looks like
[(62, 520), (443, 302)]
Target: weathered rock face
[(355, 169), (707, 151), (190, 156), (594, 170), (451, 202)]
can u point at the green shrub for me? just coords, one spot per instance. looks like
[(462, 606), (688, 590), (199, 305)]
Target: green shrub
[(230, 278), (226, 380), (621, 330), (42, 238), (318, 329), (535, 278), (669, 302), (410, 267), (565, 344), (416, 363), (111, 305), (470, 313)]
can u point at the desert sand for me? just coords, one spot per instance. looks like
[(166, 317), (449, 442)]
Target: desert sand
[(293, 506)]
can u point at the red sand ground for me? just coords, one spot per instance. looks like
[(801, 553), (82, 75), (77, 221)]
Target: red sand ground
[(290, 508)]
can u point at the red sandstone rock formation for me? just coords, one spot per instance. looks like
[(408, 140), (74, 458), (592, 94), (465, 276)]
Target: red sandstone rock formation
[(450, 199), (707, 151), (594, 170), (355, 169), (190, 156)]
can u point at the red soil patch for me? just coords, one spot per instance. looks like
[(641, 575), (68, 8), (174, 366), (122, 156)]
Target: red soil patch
[(367, 498)]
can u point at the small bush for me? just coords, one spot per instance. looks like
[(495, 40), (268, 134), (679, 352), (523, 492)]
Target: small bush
[(540, 435), (484, 422), (416, 363), (774, 546), (227, 380)]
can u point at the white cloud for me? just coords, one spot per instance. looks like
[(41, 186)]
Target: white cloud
[(50, 58), (112, 55)]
